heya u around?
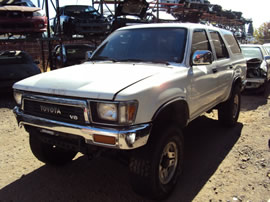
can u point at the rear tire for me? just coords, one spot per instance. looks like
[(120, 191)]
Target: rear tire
[(47, 153), (228, 112), (154, 168)]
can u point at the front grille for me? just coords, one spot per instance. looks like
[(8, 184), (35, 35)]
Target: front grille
[(57, 112), (15, 14)]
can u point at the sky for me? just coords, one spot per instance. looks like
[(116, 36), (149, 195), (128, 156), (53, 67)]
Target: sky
[(258, 10)]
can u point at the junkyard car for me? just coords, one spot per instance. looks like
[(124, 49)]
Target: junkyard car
[(71, 54), (130, 12), (21, 18), (267, 47), (258, 66), (82, 20), (15, 66), (141, 87)]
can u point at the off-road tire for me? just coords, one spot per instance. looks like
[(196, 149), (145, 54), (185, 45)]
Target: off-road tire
[(228, 112), (47, 153), (147, 162)]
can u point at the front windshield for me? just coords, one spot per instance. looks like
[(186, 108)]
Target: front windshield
[(81, 10), (252, 52), (144, 45)]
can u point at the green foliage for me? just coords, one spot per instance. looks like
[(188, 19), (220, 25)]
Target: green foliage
[(262, 34)]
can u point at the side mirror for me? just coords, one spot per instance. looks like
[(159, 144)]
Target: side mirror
[(267, 57), (202, 57), (88, 55)]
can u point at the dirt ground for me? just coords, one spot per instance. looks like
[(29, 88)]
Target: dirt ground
[(221, 164)]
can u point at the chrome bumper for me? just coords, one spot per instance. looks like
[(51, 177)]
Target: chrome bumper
[(254, 82), (126, 139)]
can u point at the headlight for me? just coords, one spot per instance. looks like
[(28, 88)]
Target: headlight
[(122, 113), (18, 97), (107, 111)]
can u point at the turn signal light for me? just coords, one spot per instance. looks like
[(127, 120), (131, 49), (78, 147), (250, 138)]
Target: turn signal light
[(104, 139)]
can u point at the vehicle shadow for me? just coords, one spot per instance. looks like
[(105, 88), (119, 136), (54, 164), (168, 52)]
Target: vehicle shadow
[(252, 99), (7, 100), (103, 179), (206, 146)]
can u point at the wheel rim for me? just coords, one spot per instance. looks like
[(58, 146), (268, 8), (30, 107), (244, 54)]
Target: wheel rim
[(168, 163), (235, 105)]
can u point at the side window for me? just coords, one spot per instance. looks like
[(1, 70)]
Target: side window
[(57, 52), (233, 45), (200, 41), (219, 45)]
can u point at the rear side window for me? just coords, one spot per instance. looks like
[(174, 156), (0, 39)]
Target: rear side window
[(200, 41), (219, 45), (233, 45)]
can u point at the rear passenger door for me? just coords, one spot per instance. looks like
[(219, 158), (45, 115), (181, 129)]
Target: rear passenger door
[(223, 65)]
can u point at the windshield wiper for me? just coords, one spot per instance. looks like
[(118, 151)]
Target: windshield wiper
[(131, 60), (102, 58), (160, 62)]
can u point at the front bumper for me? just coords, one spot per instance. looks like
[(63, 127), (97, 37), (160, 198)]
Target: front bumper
[(125, 139), (254, 82), (92, 28)]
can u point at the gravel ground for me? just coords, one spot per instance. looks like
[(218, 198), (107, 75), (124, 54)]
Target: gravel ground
[(221, 164)]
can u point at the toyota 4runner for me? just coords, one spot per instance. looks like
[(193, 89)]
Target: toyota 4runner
[(136, 93)]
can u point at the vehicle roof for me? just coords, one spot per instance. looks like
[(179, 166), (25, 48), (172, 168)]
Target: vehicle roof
[(174, 25), (76, 6), (19, 8), (251, 45), (78, 45)]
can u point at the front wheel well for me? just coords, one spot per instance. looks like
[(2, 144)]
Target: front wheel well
[(176, 112), (237, 82)]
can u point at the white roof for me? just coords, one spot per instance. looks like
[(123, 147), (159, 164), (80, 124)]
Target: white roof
[(174, 24)]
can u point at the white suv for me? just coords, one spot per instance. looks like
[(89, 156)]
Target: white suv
[(137, 92)]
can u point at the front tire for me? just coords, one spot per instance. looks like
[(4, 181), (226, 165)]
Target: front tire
[(154, 169), (49, 154), (228, 112)]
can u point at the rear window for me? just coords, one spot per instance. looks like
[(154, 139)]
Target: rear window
[(232, 43), (219, 45), (252, 52)]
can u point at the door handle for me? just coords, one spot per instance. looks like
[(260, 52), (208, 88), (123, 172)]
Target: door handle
[(214, 70)]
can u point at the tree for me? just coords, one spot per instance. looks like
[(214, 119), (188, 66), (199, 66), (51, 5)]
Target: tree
[(262, 34), (250, 29)]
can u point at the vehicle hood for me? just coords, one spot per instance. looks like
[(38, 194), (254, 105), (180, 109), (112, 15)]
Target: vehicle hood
[(17, 71), (19, 8), (132, 7), (90, 80), (253, 63), (256, 63)]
